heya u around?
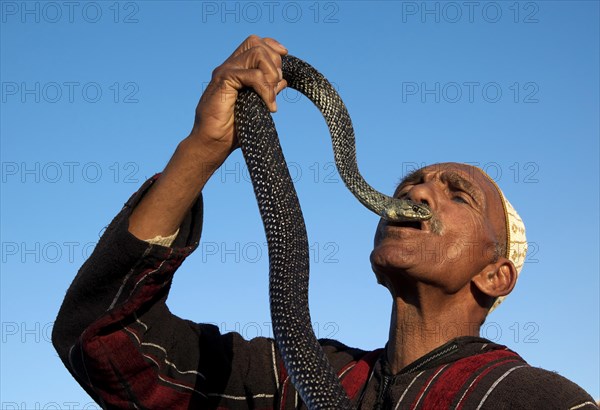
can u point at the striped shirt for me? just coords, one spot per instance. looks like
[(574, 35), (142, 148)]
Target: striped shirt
[(117, 337)]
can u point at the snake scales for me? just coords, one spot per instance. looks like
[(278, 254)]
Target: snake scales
[(305, 362)]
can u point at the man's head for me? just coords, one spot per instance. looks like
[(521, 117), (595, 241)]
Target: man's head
[(461, 250)]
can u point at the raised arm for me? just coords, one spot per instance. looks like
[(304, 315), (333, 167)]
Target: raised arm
[(114, 331), (256, 63)]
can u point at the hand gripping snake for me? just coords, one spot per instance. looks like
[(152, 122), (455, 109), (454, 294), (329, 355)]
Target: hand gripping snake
[(304, 360)]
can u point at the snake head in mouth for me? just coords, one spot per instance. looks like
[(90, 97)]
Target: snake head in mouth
[(406, 210)]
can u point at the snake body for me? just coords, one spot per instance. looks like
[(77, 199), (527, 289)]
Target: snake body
[(304, 360)]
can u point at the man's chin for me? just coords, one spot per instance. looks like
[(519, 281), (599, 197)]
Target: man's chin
[(384, 264), (391, 256)]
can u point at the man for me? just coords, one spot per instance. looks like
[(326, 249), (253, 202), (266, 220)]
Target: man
[(117, 337)]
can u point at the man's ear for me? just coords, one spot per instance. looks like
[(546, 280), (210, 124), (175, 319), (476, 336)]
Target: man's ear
[(497, 279)]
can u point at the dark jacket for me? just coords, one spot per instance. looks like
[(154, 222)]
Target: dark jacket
[(117, 337)]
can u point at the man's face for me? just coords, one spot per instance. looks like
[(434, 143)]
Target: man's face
[(456, 243)]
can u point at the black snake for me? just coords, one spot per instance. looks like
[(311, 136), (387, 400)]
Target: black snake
[(305, 362)]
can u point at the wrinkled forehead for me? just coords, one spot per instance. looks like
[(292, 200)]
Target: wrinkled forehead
[(469, 172)]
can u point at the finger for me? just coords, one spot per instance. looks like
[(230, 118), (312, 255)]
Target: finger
[(276, 50), (260, 59), (276, 45), (227, 79), (264, 60), (253, 43), (255, 78), (254, 58), (254, 40), (280, 86)]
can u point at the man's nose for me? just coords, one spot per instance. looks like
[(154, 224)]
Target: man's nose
[(423, 194)]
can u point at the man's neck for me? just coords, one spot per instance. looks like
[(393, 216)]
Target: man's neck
[(417, 330)]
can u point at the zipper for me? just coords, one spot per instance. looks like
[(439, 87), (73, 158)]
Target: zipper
[(420, 364), (386, 382), (385, 385)]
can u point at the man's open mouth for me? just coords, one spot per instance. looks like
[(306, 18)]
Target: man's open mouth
[(408, 224)]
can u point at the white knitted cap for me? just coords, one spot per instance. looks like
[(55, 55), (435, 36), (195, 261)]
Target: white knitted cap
[(516, 242)]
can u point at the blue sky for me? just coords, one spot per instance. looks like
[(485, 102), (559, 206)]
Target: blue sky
[(96, 95)]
